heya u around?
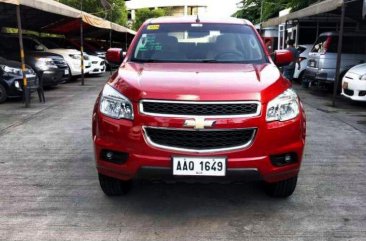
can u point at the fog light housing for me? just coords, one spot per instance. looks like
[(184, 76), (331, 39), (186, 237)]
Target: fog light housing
[(283, 159), (113, 156)]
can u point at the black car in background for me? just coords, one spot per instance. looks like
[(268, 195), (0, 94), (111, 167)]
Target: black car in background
[(50, 68), (11, 79)]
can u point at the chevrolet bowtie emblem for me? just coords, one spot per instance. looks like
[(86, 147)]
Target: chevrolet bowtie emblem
[(199, 123)]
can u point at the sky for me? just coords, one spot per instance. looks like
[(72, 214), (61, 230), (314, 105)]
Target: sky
[(222, 8)]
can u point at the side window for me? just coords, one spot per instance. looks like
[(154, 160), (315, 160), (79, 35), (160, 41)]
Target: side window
[(29, 44)]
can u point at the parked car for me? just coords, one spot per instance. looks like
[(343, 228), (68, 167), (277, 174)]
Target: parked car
[(51, 68), (304, 55), (198, 98), (11, 79), (97, 65), (322, 60), (71, 56), (354, 83)]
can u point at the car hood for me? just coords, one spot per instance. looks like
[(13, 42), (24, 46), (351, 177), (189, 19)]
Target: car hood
[(358, 69), (94, 58), (30, 54), (64, 51), (10, 63), (202, 81)]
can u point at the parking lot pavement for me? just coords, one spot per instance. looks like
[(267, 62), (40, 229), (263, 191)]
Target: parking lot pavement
[(49, 188)]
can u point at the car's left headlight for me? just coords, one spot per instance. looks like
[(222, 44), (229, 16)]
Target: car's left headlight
[(45, 64), (11, 70), (284, 107), (114, 104)]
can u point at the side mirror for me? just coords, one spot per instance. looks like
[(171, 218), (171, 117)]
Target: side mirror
[(115, 55), (39, 48), (282, 57)]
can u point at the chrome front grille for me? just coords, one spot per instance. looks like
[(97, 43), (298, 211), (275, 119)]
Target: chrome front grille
[(60, 62), (200, 141), (200, 108)]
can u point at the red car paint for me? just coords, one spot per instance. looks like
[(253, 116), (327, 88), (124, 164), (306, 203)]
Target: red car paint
[(198, 82)]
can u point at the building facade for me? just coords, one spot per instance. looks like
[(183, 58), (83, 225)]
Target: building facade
[(177, 7)]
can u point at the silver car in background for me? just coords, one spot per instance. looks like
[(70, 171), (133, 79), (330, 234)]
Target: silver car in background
[(321, 67)]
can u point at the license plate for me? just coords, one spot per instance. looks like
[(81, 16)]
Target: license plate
[(66, 71), (312, 64), (199, 166), (345, 85), (30, 76)]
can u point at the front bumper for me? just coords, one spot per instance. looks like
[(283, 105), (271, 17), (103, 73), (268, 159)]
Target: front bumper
[(52, 77), (128, 137), (320, 75), (75, 66), (16, 90), (354, 88), (97, 68)]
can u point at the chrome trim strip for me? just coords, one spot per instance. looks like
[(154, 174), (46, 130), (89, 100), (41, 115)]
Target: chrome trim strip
[(258, 112), (153, 144)]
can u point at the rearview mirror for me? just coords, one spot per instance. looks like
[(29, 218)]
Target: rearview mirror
[(282, 57), (115, 55)]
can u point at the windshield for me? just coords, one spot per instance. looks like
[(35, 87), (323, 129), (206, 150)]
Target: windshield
[(206, 42)]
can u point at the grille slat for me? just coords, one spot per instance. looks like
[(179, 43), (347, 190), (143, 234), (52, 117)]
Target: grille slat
[(200, 139), (200, 109)]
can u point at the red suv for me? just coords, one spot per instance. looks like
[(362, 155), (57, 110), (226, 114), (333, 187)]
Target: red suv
[(197, 98)]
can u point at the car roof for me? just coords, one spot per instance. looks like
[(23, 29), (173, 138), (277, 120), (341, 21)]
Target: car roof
[(202, 19)]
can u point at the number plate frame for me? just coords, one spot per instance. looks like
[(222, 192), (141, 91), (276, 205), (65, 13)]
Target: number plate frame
[(345, 85), (196, 161)]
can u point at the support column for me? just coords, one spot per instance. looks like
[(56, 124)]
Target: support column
[(339, 55), (185, 10), (133, 14), (22, 59)]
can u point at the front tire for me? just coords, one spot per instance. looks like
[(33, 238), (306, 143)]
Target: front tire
[(114, 187), (281, 189), (3, 95)]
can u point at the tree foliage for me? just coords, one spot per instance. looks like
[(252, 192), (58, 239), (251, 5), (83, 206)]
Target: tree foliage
[(253, 9), (117, 15), (144, 14)]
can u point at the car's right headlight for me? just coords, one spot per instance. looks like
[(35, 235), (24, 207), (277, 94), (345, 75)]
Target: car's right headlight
[(363, 77), (114, 104), (284, 107)]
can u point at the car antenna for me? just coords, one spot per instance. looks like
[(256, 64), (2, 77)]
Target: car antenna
[(198, 19)]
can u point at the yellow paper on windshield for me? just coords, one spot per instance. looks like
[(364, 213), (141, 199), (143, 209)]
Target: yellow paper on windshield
[(153, 27)]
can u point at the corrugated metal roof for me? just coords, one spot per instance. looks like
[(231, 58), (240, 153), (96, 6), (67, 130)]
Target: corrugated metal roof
[(318, 8)]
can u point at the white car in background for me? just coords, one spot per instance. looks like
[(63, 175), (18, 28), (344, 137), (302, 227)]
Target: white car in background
[(354, 83), (98, 65), (93, 64), (73, 60), (304, 50), (71, 56)]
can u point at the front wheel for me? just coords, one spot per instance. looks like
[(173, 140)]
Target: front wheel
[(3, 95), (281, 189), (114, 187)]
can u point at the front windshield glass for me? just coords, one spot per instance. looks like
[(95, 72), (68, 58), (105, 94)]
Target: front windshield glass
[(198, 42)]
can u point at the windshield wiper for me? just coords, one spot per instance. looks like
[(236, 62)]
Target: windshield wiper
[(208, 61), (219, 61)]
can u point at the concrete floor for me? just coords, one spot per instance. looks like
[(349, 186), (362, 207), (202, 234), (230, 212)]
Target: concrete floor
[(49, 188)]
